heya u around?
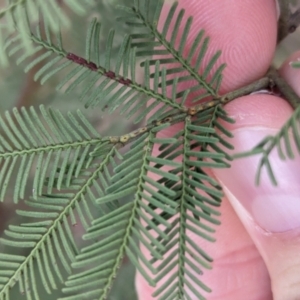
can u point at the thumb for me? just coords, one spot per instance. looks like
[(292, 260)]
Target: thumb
[(271, 214)]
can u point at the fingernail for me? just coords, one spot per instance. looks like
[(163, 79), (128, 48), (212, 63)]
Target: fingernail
[(273, 208)]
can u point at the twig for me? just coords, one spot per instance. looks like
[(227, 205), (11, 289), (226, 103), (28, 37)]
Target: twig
[(288, 21), (294, 21), (287, 92), (122, 140), (260, 84), (283, 23), (271, 80), (192, 111)]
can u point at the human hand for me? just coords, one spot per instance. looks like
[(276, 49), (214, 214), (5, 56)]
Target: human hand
[(256, 256)]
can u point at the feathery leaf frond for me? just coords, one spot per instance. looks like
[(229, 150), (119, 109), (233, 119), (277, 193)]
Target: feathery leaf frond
[(286, 141), (52, 144), (126, 222), (151, 198), (102, 83), (17, 13), (168, 50), (198, 197), (48, 233), (181, 198)]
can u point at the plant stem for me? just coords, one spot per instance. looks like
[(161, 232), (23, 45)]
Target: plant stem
[(288, 21), (294, 21), (246, 90), (272, 79), (283, 87), (283, 23)]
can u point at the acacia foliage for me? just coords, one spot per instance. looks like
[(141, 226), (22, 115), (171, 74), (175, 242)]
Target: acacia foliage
[(83, 178)]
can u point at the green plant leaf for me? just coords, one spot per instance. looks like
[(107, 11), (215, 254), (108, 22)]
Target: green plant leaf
[(160, 214), (167, 46), (21, 14), (286, 142), (51, 143), (47, 233)]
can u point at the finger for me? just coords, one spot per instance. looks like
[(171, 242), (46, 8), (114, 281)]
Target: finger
[(245, 31), (270, 214)]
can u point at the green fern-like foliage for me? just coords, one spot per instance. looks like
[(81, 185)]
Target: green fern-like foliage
[(110, 87), (168, 209), (150, 40), (286, 142), (55, 146), (47, 234), (139, 195), (17, 13)]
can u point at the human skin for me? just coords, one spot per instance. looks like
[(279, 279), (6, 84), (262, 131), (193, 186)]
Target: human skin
[(256, 256)]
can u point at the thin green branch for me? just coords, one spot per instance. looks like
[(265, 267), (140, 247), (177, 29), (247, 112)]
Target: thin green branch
[(107, 73), (260, 84), (47, 45), (46, 149), (183, 212), (131, 223), (271, 80), (192, 111), (10, 7)]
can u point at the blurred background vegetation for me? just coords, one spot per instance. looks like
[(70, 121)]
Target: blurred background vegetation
[(19, 89)]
